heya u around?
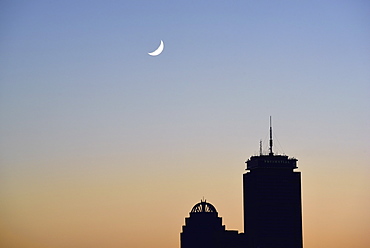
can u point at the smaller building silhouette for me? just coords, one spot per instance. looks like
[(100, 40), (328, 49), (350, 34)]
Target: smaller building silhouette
[(204, 229)]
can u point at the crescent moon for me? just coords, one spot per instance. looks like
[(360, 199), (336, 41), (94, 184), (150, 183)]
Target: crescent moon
[(159, 50)]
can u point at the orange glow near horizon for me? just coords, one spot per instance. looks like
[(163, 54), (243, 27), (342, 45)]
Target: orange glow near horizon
[(120, 209)]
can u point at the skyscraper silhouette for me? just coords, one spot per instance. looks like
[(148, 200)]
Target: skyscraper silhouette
[(272, 201), (272, 209)]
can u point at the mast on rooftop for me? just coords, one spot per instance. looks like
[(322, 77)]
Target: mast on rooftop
[(271, 153)]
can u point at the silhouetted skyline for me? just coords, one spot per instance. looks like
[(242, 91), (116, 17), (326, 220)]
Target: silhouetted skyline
[(272, 208)]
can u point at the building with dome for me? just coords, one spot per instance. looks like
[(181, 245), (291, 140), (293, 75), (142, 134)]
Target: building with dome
[(272, 209), (203, 228)]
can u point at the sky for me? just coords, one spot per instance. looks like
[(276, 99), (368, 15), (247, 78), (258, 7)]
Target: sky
[(102, 145)]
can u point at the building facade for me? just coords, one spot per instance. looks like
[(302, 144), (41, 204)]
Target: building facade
[(272, 202)]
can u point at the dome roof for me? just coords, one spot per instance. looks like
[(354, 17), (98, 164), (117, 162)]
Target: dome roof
[(203, 207)]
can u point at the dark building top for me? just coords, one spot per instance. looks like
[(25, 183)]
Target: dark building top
[(271, 161), (203, 207)]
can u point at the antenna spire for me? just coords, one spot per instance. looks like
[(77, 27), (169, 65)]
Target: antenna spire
[(260, 147), (271, 153)]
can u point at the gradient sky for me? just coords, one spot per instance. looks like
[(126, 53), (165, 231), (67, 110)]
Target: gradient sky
[(102, 145)]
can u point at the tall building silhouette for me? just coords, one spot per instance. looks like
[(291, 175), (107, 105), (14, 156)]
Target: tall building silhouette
[(271, 203)]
